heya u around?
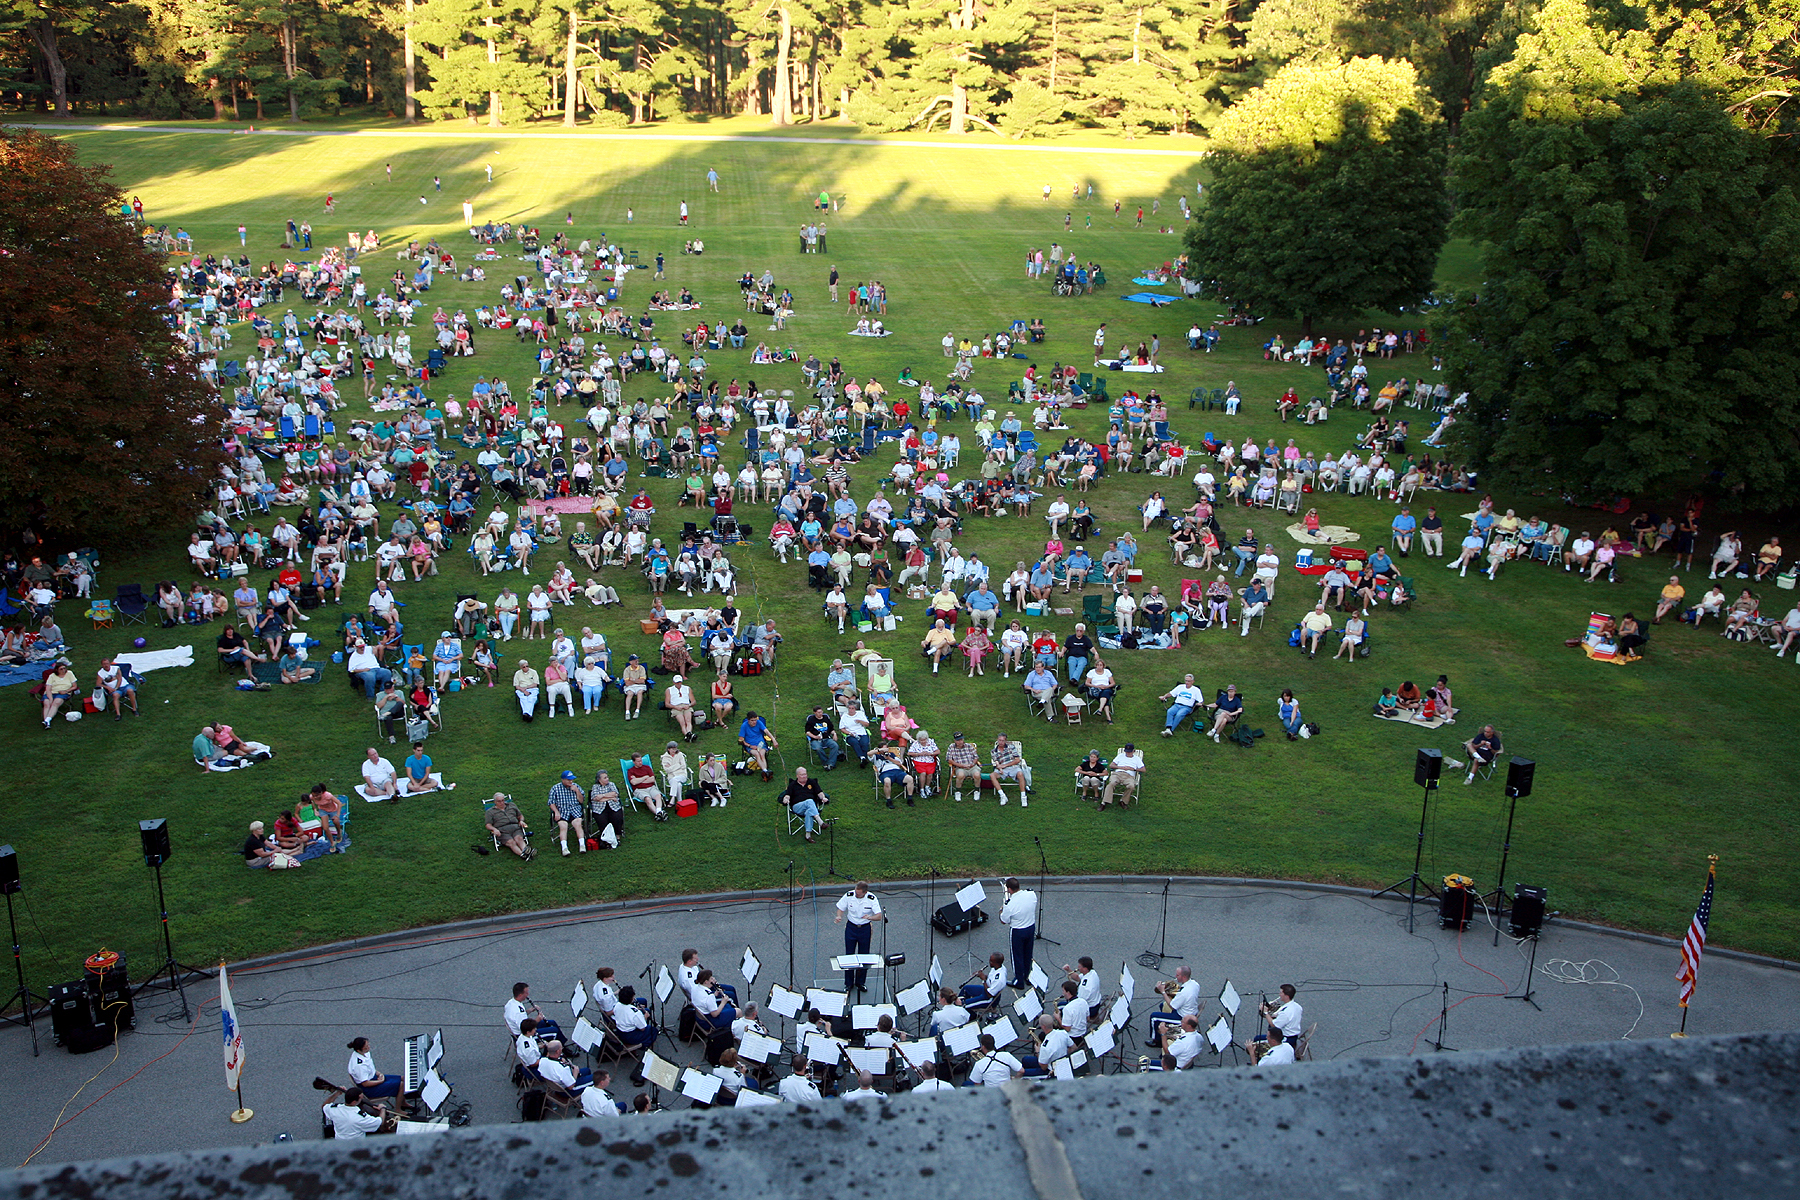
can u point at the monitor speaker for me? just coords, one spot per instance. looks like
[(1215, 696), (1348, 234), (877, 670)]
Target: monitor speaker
[(155, 835), (9, 871), (1429, 766), (1518, 777), (1527, 910)]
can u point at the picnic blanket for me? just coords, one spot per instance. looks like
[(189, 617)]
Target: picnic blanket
[(1328, 535), (564, 504), (1608, 655), (1154, 299), (26, 673), (1150, 281), (1406, 718), (870, 333), (437, 785), (270, 672), (145, 661), (233, 763)]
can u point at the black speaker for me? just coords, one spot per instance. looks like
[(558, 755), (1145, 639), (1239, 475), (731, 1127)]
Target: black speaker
[(1429, 766), (951, 920), (1527, 910), (9, 871), (1456, 908), (1518, 777), (71, 1010), (155, 835)]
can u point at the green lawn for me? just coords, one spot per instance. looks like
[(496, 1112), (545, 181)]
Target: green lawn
[(1641, 769)]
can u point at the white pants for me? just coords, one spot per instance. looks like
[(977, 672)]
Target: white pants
[(1252, 610), (562, 690)]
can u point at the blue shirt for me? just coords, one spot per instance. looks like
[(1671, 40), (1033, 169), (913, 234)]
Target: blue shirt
[(1079, 561), (1040, 680), (752, 731), (1405, 523), (1380, 563), (981, 601), (418, 766)]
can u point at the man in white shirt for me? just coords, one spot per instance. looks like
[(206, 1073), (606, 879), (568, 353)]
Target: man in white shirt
[(596, 1101), (1268, 566), (552, 1069), (526, 1046), (366, 669), (1575, 558), (380, 781), (748, 1021), (857, 911), (381, 604), (929, 1083), (1127, 773), (520, 1007), (349, 1121), (993, 1068), (1182, 999), (1179, 1050), (1075, 1012), (1052, 1043), (1087, 980), (1019, 914), (1185, 698), (799, 1088), (690, 970), (950, 1013), (864, 1089), (1279, 1053), (1288, 1016)]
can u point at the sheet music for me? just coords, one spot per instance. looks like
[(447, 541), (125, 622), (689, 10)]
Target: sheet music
[(665, 983), (700, 1087), (1100, 1041), (963, 1039), (785, 1002), (937, 972), (750, 1099), (1229, 1000), (1062, 1069), (757, 1047), (868, 1016), (578, 1001), (436, 1091), (822, 1050), (918, 1053), (875, 1062), (852, 962), (660, 1071), (1127, 984), (585, 1035), (827, 1001), (435, 1055), (1028, 1006), (750, 966), (1121, 1012), (1038, 979), (916, 998), (1004, 1031), (409, 1128), (1078, 1059), (972, 896), (1219, 1036)]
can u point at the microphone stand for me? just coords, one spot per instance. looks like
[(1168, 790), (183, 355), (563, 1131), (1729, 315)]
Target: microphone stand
[(1154, 958), (1043, 870), (790, 916), (1444, 1022), (831, 850)]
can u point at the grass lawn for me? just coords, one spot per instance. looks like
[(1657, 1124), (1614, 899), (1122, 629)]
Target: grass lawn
[(1642, 770)]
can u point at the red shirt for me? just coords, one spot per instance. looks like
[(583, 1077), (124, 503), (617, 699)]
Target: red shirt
[(641, 776)]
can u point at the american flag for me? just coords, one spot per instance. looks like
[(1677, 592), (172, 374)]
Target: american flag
[(1694, 945)]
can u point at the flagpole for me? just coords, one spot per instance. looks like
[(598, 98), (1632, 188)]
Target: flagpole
[(234, 1047), (1712, 870)]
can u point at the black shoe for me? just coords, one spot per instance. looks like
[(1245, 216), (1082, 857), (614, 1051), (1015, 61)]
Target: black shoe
[(890, 803), (909, 802)]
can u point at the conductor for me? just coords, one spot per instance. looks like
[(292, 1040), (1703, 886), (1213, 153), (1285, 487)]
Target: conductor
[(1020, 914), (857, 910)]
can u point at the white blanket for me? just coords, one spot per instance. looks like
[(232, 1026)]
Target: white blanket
[(230, 763), (437, 785), (144, 661)]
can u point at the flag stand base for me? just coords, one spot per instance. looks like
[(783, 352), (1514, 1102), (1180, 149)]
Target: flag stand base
[(239, 1116), (1678, 1035)]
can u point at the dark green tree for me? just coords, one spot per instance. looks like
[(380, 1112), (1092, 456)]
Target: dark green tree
[(1636, 328), (1328, 196), (107, 429)]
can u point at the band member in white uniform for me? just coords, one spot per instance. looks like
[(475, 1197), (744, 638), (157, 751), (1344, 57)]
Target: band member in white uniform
[(857, 911)]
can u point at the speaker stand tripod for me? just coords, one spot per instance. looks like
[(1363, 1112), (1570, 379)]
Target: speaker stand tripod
[(23, 994), (173, 969), (1412, 885)]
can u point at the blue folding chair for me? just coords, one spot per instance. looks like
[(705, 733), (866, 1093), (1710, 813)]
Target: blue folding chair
[(287, 429)]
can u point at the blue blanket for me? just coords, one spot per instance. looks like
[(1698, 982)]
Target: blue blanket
[(1153, 299), (1146, 280), (31, 673)]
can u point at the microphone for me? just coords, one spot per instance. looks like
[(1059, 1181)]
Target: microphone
[(645, 973)]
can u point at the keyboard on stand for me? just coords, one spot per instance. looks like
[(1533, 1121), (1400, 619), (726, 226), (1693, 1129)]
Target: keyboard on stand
[(413, 1072)]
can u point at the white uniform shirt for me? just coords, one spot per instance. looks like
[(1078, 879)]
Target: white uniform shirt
[(605, 997), (863, 1094), (1186, 1000), (688, 975), (1020, 910), (1088, 987), (1186, 1048), (951, 1016), (995, 981), (1276, 1057), (629, 1018), (1287, 1018), (557, 1071), (858, 910), (526, 1047), (928, 1086), (798, 1089), (362, 1068), (1075, 1016), (515, 1011), (595, 1102), (993, 1070), (1057, 1044), (348, 1121)]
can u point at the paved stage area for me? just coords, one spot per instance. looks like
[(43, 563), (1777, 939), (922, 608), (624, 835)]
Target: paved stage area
[(1373, 988)]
